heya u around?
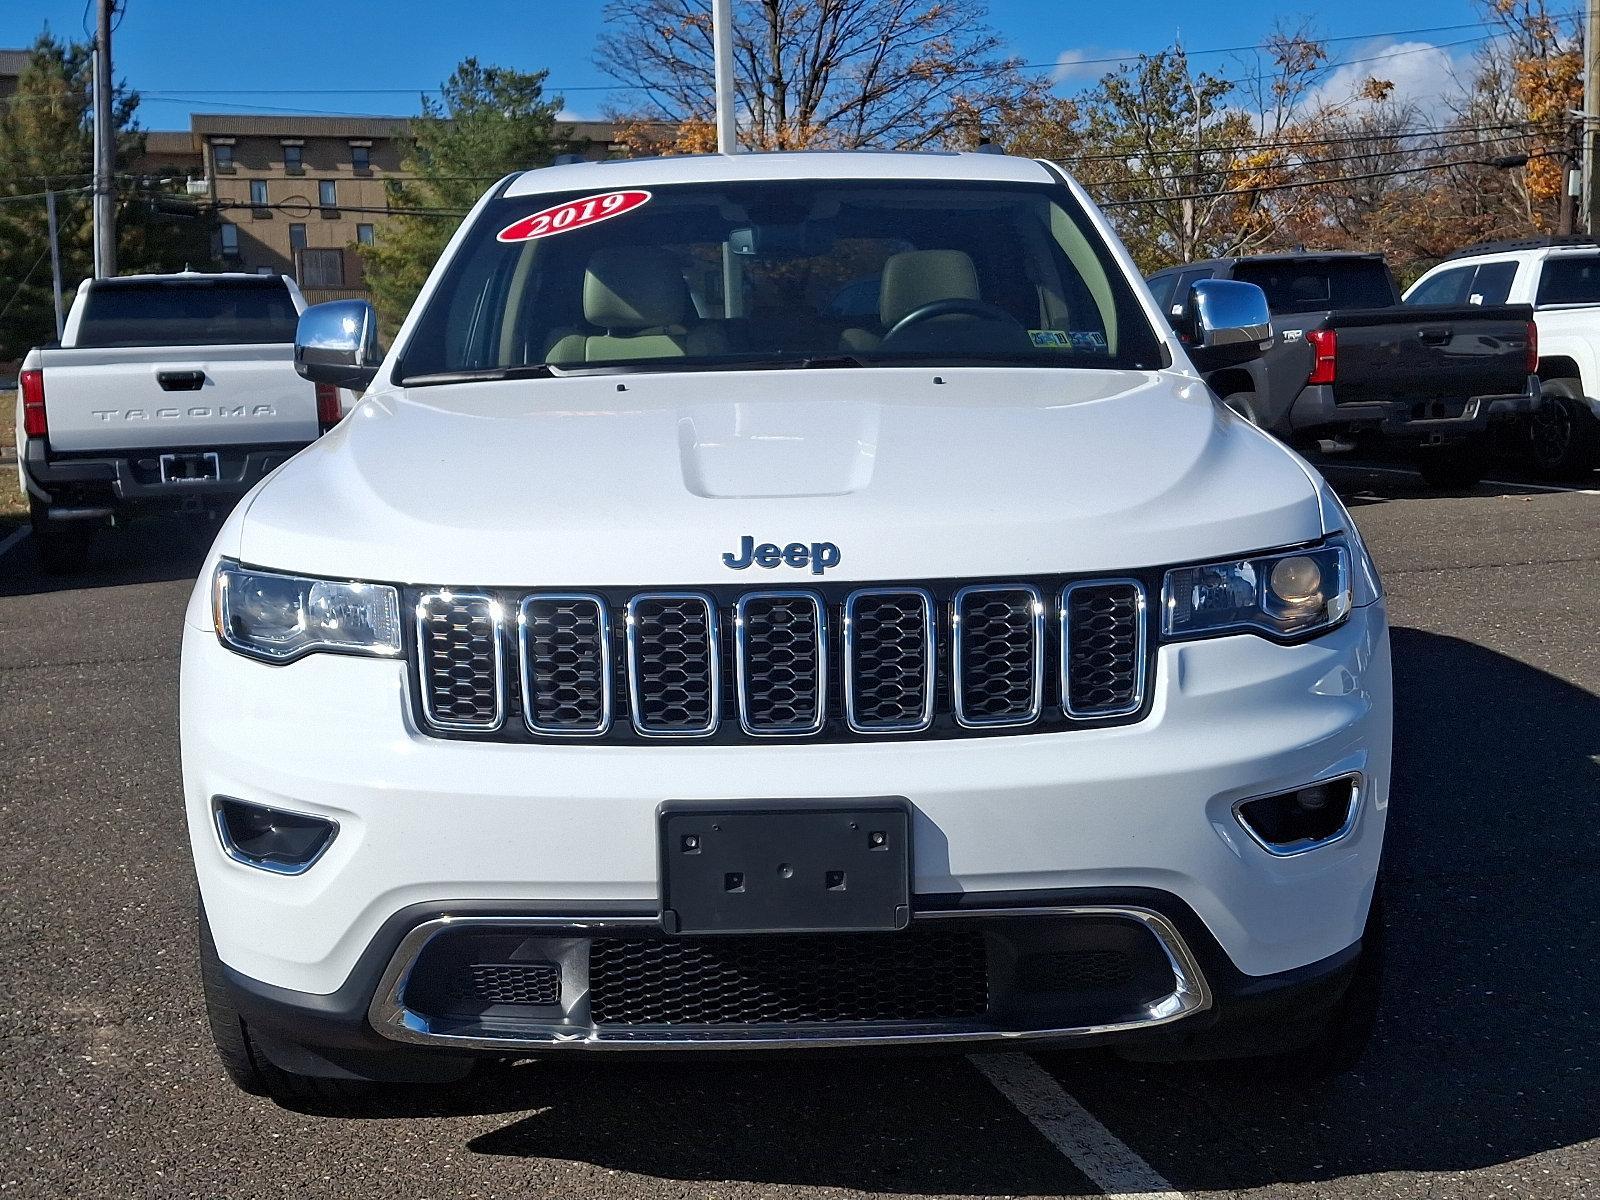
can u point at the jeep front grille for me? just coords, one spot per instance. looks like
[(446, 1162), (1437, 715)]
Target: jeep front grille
[(828, 663)]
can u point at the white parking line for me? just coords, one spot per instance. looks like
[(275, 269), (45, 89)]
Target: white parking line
[(1506, 483), (16, 536), (1090, 1146)]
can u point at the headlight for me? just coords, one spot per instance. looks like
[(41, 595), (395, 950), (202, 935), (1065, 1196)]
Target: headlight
[(1285, 595), (280, 617)]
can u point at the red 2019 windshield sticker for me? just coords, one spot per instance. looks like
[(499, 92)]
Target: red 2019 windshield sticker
[(574, 214)]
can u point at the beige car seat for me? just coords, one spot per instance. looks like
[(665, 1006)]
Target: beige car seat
[(911, 279), (637, 295)]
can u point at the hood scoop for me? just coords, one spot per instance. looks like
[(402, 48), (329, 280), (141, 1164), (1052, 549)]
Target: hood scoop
[(749, 451)]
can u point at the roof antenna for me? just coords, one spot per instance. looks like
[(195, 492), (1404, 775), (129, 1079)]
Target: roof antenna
[(722, 46)]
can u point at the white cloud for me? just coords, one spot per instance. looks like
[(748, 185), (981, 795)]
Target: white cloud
[(1423, 75), (1081, 68)]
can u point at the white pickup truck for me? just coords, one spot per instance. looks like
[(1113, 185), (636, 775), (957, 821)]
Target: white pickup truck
[(780, 601), (1560, 277), (167, 392)]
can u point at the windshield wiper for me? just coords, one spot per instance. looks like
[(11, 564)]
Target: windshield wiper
[(477, 374)]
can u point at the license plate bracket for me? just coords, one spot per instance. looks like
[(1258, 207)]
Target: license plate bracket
[(204, 467), (785, 866)]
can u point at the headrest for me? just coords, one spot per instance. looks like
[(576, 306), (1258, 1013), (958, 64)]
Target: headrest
[(917, 277), (633, 287)]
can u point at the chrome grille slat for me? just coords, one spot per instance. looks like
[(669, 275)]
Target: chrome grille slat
[(564, 654), (781, 663), (674, 664), (997, 655), (461, 653), (891, 661), (1103, 647)]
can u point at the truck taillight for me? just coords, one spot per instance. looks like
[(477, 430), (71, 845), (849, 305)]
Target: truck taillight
[(327, 407), (1325, 351), (1533, 349), (34, 422)]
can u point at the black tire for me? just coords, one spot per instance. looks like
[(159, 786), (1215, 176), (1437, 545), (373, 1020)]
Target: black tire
[(63, 548), (1563, 435), (1453, 468), (227, 1027), (1242, 403), (243, 1060)]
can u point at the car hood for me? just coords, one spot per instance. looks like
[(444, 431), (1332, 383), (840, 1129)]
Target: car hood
[(650, 479)]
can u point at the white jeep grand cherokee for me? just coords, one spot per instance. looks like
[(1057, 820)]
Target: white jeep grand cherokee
[(784, 600)]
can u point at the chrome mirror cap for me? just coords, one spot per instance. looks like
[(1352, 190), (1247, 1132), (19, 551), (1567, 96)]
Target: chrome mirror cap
[(1228, 313), (337, 343)]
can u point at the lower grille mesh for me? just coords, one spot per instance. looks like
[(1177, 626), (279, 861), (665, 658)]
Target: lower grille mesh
[(911, 976), (516, 983)]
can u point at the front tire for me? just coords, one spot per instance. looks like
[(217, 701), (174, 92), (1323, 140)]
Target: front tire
[(63, 547), (1563, 435), (243, 1060)]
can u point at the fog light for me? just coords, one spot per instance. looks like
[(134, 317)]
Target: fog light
[(1304, 819), (270, 839)]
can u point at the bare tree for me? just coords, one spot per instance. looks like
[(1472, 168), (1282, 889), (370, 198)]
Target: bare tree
[(898, 74)]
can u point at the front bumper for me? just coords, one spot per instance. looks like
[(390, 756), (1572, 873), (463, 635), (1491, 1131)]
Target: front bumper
[(454, 826)]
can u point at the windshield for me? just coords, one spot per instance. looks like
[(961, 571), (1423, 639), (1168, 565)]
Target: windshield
[(189, 312), (1303, 287), (739, 275)]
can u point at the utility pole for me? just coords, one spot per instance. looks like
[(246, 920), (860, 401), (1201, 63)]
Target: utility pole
[(55, 258), (105, 149), (722, 47), (1591, 117)]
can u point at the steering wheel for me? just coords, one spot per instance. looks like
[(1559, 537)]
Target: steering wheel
[(951, 308)]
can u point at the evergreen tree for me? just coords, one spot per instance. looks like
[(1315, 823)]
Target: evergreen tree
[(487, 122), (47, 142)]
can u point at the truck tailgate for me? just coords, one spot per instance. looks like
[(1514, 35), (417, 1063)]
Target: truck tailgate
[(155, 397), (1425, 353)]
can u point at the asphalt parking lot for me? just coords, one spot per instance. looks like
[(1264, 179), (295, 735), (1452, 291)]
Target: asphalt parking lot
[(1484, 1079)]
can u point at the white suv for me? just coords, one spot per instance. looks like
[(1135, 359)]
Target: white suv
[(1560, 277), (784, 600)]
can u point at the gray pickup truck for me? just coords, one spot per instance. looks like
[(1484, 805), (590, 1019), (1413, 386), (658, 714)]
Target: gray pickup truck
[(1350, 363)]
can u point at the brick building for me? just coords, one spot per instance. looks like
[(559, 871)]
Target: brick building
[(296, 194)]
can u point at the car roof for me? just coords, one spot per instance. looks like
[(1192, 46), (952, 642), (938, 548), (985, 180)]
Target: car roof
[(778, 166)]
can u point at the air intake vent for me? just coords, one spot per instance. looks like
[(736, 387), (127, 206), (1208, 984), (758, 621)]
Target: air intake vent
[(781, 641), (674, 664), (999, 655), (1103, 632), (459, 647), (566, 664), (890, 665), (515, 983)]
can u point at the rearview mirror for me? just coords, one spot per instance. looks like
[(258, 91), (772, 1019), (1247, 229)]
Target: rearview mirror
[(337, 343), (1225, 323)]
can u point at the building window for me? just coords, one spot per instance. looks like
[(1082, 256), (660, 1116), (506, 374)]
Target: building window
[(361, 158), (320, 268), (297, 237), (294, 162), (222, 159), (258, 193), (328, 193), (364, 234), (230, 240)]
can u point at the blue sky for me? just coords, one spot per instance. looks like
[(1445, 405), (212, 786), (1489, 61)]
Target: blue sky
[(173, 51)]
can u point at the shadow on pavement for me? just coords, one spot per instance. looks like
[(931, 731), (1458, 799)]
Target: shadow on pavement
[(1487, 1049), (147, 551)]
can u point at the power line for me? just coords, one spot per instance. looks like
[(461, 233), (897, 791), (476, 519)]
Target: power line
[(1306, 183), (1291, 144)]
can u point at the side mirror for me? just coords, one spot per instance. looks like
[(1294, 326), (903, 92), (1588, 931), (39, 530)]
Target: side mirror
[(337, 343), (1225, 323)]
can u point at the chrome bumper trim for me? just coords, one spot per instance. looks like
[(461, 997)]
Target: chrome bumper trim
[(392, 1019)]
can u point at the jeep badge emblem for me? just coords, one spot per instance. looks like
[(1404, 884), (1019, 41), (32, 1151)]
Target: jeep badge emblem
[(819, 556)]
